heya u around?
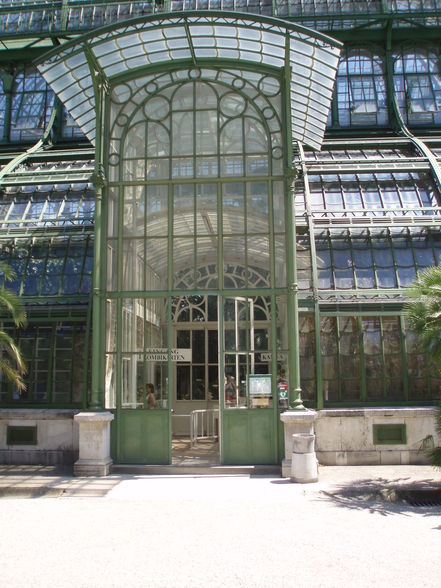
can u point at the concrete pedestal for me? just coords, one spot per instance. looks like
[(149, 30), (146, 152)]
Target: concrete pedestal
[(94, 444), (304, 459), (295, 421)]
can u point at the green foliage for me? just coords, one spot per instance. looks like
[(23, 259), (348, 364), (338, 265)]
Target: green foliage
[(424, 315), (424, 310), (434, 454), (12, 365)]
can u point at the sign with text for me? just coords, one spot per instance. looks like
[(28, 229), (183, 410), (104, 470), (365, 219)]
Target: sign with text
[(268, 356), (161, 354), (260, 385)]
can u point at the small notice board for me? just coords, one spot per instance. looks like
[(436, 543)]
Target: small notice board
[(260, 390)]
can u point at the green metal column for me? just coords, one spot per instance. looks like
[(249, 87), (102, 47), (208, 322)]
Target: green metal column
[(97, 393), (8, 84), (317, 324), (294, 391)]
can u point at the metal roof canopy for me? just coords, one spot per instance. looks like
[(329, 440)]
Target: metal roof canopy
[(239, 40)]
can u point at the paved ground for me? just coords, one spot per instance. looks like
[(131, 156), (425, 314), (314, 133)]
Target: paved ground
[(345, 530)]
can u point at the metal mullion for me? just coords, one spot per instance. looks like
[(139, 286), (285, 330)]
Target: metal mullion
[(206, 366), (194, 292), (43, 210), (34, 360), (383, 359), (376, 77), (272, 248), (245, 221), (11, 206), (362, 358), (117, 368), (88, 336), (417, 191), (184, 180), (395, 266), (380, 191), (429, 75), (66, 250), (72, 358), (404, 370), (83, 263), (374, 263), (274, 362), (195, 236), (351, 250), (410, 240), (145, 239), (221, 370), (313, 253), (145, 345), (169, 315), (25, 212), (52, 363), (49, 245), (339, 359), (331, 257), (194, 112)]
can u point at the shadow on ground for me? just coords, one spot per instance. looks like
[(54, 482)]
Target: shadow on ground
[(387, 497), (34, 481)]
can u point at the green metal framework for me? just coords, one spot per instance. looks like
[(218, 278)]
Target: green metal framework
[(373, 192)]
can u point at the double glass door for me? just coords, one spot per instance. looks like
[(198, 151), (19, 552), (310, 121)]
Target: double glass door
[(220, 358)]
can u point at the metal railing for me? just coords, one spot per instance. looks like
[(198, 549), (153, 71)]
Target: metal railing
[(204, 424)]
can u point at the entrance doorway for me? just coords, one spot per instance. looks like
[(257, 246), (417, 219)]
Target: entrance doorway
[(223, 345), (195, 396), (196, 264)]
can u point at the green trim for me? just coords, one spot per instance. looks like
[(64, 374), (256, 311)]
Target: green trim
[(185, 15), (390, 434), (21, 435)]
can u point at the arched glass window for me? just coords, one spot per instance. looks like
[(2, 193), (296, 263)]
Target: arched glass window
[(417, 80), (204, 141), (360, 89)]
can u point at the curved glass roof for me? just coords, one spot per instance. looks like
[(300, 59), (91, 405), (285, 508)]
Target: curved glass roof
[(122, 50)]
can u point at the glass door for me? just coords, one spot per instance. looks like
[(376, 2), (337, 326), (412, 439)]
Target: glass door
[(248, 417), (195, 397)]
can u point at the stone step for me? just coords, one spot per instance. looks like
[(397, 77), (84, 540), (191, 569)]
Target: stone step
[(197, 470)]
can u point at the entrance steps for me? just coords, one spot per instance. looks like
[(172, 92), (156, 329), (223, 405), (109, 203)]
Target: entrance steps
[(197, 470)]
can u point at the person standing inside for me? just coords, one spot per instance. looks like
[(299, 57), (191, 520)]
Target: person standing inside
[(150, 396)]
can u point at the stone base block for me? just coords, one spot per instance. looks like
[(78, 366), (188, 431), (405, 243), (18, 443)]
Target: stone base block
[(384, 457), (89, 467), (286, 468), (45, 457)]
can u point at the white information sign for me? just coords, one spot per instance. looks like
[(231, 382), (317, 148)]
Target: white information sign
[(161, 354)]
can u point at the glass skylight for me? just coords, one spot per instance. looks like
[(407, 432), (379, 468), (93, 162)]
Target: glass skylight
[(153, 42)]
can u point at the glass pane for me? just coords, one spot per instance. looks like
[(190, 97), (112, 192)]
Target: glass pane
[(183, 389), (198, 346), (198, 382)]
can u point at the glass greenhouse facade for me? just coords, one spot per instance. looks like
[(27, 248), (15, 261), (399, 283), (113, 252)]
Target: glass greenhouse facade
[(213, 209)]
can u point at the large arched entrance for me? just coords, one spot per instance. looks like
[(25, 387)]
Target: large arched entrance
[(196, 257), (195, 290)]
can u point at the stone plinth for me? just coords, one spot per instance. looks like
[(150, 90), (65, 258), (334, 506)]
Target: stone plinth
[(94, 441), (295, 421), (304, 459)]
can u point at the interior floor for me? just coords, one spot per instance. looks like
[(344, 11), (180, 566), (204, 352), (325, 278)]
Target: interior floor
[(204, 452)]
